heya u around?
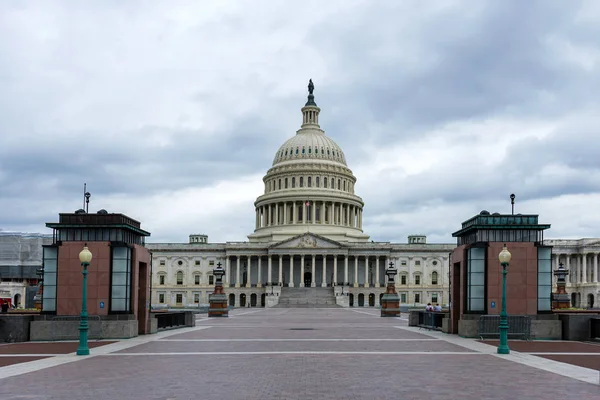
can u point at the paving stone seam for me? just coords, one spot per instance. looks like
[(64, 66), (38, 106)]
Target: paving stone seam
[(32, 366), (569, 370), (308, 352), (302, 340)]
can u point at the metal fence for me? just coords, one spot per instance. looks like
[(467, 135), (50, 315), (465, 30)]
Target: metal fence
[(431, 320), (67, 327), (519, 326)]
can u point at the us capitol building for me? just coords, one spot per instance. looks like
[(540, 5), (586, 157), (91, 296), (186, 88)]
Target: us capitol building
[(308, 242)]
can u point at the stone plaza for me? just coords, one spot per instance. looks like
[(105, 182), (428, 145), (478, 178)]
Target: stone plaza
[(277, 353)]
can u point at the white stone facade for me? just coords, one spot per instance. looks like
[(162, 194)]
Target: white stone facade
[(580, 258), (308, 230)]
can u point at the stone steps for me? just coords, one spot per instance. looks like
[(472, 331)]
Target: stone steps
[(307, 298)]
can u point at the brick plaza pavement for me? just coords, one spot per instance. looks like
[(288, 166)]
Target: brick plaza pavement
[(297, 354)]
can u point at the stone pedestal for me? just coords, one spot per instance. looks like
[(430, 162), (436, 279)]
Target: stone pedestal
[(218, 306), (390, 302), (561, 299)]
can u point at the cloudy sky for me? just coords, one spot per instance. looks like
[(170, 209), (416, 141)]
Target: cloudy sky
[(172, 111)]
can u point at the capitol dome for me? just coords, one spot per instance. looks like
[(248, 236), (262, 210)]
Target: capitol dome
[(309, 188)]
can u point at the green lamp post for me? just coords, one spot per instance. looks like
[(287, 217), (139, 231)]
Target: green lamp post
[(504, 258), (83, 350)]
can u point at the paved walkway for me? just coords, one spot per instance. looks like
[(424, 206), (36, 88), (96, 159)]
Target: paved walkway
[(296, 354)]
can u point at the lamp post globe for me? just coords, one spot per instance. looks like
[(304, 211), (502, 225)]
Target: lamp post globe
[(504, 257), (85, 257)]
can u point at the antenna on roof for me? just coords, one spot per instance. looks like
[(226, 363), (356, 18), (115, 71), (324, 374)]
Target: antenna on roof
[(512, 203), (86, 198)]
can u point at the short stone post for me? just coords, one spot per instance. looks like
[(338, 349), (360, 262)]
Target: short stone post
[(218, 306), (390, 301)]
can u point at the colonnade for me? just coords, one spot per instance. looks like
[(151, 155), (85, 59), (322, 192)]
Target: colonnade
[(583, 268), (311, 212), (300, 270)]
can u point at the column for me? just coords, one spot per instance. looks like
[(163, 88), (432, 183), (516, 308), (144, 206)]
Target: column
[(335, 280), (313, 276), (280, 270), (356, 273), (227, 270), (347, 214), (237, 272), (291, 279), (269, 215), (270, 269), (377, 271), (301, 283), (331, 222), (346, 270), (313, 206), (324, 283), (285, 218), (568, 262), (595, 267), (249, 272), (303, 212), (366, 272), (584, 268), (259, 276), (294, 213), (277, 214), (256, 221)]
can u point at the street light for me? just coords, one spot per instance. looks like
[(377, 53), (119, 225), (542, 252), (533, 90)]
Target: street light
[(84, 257), (504, 258)]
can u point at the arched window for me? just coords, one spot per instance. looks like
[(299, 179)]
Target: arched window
[(339, 184), (286, 182), (301, 181), (317, 181), (293, 182), (279, 183), (332, 183), (179, 277), (325, 183), (309, 181), (344, 186), (434, 278)]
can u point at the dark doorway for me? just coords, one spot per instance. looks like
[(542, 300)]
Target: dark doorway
[(263, 299), (232, 299), (307, 279), (253, 298), (243, 300), (573, 300), (371, 300), (380, 296), (361, 300), (351, 300), (17, 300), (590, 300)]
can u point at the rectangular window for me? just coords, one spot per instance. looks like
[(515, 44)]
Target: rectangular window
[(161, 279), (476, 280), (403, 263), (434, 298), (403, 279), (120, 293), (417, 279), (196, 298), (211, 280), (161, 298), (197, 262), (197, 279), (211, 262), (544, 278), (417, 297), (50, 271), (417, 262), (179, 298), (162, 262), (402, 297)]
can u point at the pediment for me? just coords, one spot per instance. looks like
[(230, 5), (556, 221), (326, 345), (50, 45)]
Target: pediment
[(307, 241)]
